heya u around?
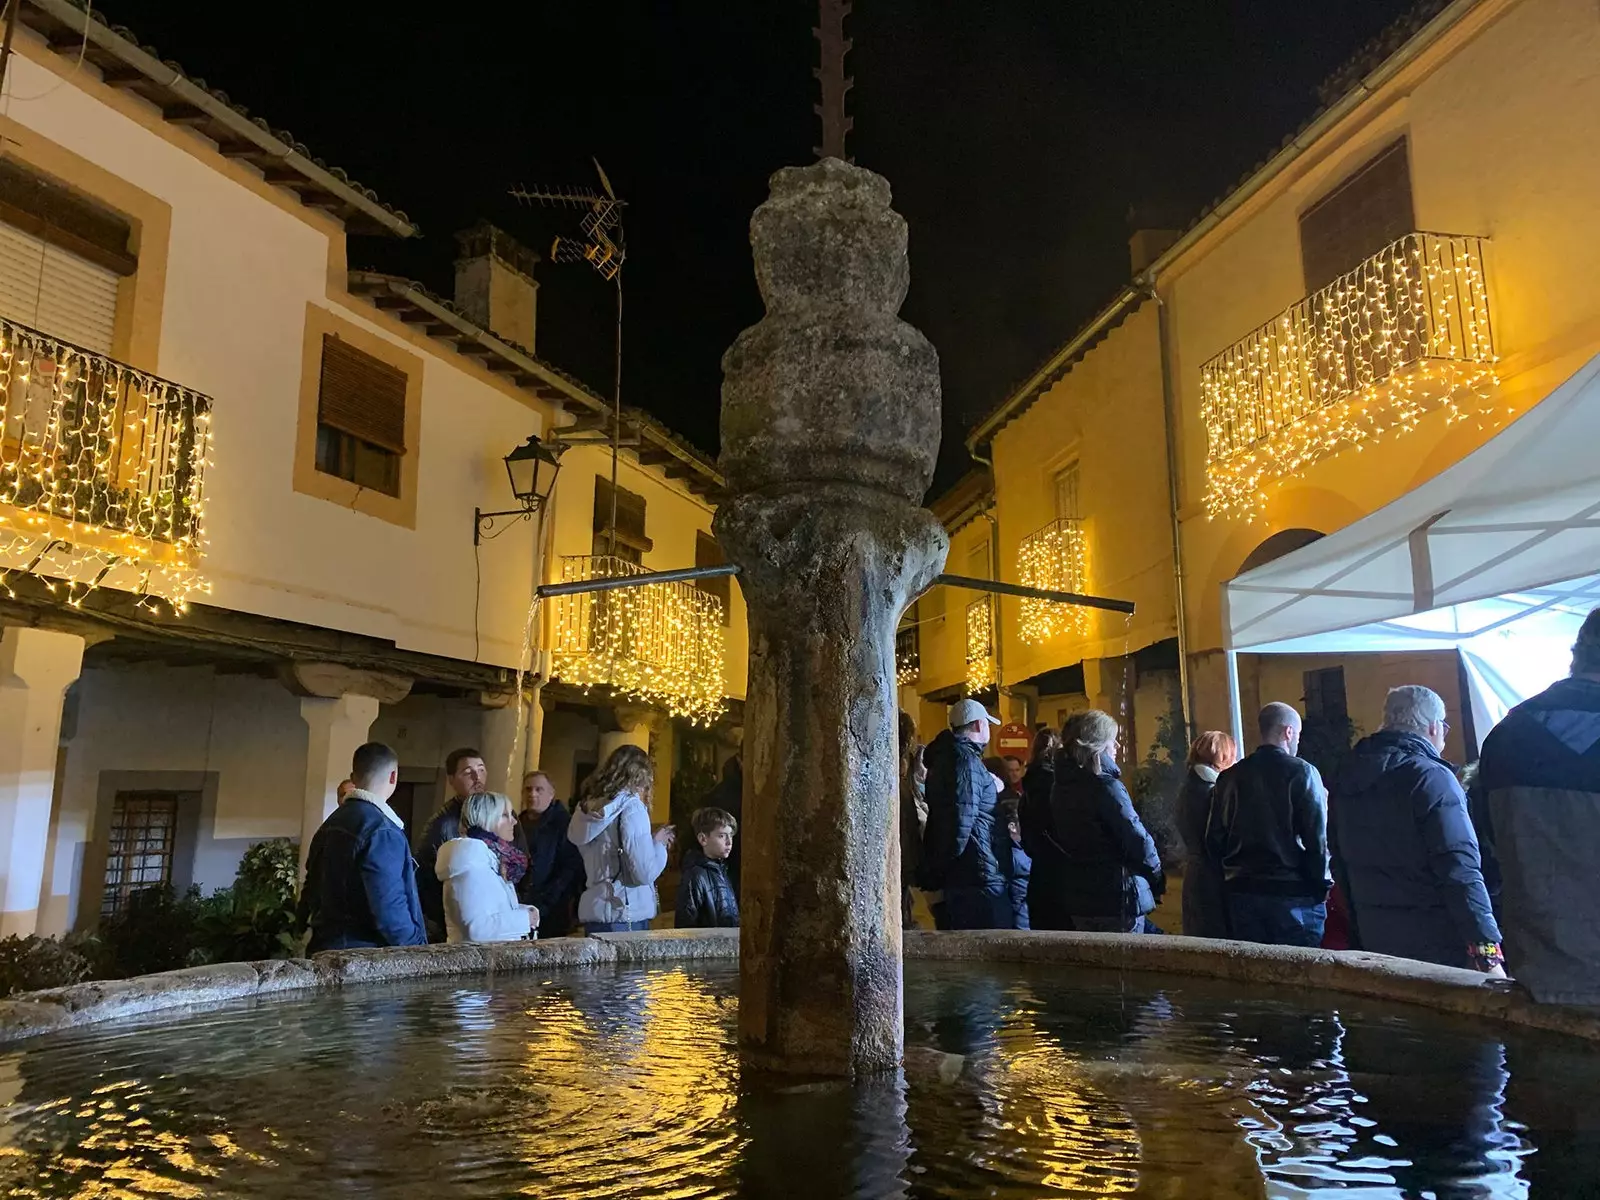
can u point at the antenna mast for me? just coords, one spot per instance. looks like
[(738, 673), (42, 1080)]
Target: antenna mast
[(603, 247)]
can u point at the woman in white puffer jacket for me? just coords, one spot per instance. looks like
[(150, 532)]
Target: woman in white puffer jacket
[(480, 901)]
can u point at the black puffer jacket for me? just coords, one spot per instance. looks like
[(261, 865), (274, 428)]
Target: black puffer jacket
[(1269, 826), (705, 893), (1405, 854), (958, 843), (1096, 857)]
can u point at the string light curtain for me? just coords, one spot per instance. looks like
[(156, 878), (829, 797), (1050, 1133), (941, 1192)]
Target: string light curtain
[(102, 474), (981, 670), (661, 643), (1406, 333), (1054, 559)]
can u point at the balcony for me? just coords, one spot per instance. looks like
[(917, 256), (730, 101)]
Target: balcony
[(660, 643), (1053, 558), (1406, 333), (102, 472), (982, 671)]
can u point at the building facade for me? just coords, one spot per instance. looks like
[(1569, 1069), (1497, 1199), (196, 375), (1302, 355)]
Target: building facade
[(240, 486), (1407, 274)]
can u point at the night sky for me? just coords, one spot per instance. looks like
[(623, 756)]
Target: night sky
[(1016, 135)]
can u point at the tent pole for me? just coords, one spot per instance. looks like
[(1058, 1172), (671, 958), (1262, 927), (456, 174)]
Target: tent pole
[(1235, 716)]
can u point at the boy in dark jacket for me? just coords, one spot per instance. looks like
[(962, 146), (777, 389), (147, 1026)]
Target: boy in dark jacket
[(705, 893), (361, 884)]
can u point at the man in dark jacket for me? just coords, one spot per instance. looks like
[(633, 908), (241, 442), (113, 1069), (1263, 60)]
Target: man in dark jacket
[(705, 893), (555, 877), (1541, 771), (1404, 853), (958, 856), (465, 774), (1268, 831), (361, 885)]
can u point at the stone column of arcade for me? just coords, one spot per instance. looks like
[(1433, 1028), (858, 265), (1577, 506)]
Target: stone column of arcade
[(830, 428)]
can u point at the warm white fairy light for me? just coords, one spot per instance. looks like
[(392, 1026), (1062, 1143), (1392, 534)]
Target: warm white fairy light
[(1053, 558), (1405, 333), (658, 642), (907, 662), (102, 474), (981, 671)]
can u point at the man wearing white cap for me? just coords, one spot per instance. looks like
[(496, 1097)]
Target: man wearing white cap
[(958, 856)]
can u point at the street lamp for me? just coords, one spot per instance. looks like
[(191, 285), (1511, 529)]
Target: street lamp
[(532, 468)]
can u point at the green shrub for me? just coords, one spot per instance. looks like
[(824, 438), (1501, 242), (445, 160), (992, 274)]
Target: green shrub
[(155, 931), (30, 963)]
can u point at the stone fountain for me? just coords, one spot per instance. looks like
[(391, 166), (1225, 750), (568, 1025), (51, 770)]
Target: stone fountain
[(830, 428)]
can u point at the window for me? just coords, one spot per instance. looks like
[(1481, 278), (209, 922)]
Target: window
[(1066, 488), (978, 561), (144, 829), (707, 553), (62, 260), (631, 542), (1359, 217), (1326, 702), (361, 417)]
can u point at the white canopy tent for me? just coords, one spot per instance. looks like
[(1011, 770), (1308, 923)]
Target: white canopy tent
[(1498, 557)]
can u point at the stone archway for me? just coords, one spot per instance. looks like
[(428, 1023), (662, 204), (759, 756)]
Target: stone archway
[(1285, 541)]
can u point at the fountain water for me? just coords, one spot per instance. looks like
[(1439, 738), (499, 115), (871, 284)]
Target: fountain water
[(830, 428)]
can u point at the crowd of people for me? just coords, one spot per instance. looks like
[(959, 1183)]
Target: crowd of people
[(482, 872), (1394, 858), (1403, 855)]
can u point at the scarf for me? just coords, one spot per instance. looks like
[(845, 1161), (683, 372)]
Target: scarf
[(513, 862)]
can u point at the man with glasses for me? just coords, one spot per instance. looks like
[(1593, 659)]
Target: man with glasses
[(1404, 851)]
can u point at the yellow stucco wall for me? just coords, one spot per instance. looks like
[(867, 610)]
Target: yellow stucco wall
[(1503, 145), (1106, 414)]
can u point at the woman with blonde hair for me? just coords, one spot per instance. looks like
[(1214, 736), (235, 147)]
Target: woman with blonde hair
[(476, 870), (622, 859), (1205, 910), (1109, 874)]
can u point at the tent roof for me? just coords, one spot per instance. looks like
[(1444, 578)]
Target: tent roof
[(1519, 513)]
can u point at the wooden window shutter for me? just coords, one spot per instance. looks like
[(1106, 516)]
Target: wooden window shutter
[(630, 514), (362, 395), (1365, 212)]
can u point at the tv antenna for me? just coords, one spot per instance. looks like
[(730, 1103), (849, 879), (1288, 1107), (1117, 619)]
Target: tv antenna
[(602, 245)]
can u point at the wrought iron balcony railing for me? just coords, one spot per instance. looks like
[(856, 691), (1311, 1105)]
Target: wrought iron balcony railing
[(661, 643), (1406, 332), (1054, 559), (102, 471), (982, 671)]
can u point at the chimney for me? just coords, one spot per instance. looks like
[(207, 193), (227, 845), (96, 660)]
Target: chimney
[(495, 285), (1147, 245)]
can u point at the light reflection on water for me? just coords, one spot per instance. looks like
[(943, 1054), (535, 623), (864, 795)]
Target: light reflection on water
[(604, 1083)]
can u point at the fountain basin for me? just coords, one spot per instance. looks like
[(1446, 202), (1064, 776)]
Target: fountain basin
[(1036, 1064)]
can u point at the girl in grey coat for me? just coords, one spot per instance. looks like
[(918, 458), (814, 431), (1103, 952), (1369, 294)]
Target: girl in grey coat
[(622, 859)]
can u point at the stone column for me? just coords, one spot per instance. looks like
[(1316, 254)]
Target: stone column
[(36, 667), (830, 427), (336, 726), (504, 741)]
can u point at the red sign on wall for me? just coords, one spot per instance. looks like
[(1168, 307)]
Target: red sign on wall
[(1014, 741)]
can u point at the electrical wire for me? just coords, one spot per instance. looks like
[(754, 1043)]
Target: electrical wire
[(88, 16)]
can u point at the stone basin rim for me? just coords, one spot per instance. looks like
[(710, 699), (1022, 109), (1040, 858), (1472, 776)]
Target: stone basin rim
[(1355, 973)]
